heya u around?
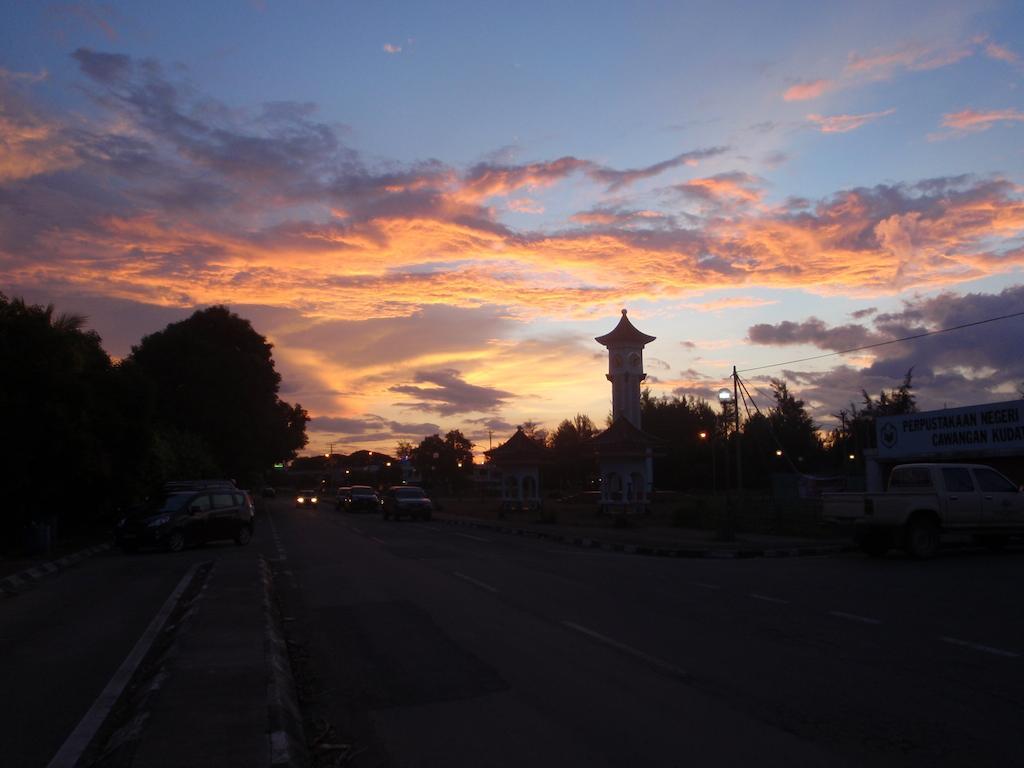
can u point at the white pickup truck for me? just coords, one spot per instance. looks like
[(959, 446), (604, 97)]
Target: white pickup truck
[(925, 501)]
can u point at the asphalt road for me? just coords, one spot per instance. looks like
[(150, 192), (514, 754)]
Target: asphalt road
[(63, 639), (427, 644)]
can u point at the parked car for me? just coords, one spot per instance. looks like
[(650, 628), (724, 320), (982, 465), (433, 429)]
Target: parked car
[(362, 498), (342, 497), (307, 498), (407, 500), (176, 519)]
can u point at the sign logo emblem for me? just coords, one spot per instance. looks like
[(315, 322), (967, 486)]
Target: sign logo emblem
[(889, 435)]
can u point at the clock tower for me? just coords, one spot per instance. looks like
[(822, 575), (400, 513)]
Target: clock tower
[(625, 368)]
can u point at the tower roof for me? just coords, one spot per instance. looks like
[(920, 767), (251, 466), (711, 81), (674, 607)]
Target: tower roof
[(624, 334)]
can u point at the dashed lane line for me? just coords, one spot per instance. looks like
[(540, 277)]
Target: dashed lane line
[(981, 647), (476, 582), (768, 598), (654, 661), (75, 744), (854, 617), (705, 585), (379, 541)]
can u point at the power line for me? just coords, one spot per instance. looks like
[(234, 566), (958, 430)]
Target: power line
[(883, 343)]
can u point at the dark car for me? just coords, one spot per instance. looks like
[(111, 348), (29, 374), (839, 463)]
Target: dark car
[(268, 492), (177, 518), (407, 500), (341, 499), (362, 498)]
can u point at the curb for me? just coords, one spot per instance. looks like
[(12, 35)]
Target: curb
[(586, 542), (17, 582), (286, 736)]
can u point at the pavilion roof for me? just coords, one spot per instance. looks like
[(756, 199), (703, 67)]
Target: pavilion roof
[(518, 449)]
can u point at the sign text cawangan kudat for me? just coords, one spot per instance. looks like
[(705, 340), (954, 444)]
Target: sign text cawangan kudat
[(995, 428)]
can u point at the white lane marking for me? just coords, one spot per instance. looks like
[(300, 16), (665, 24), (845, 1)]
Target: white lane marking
[(705, 585), (854, 617), (474, 538), (357, 530), (768, 599), (70, 752), (379, 541), (478, 583), (636, 653), (980, 647)]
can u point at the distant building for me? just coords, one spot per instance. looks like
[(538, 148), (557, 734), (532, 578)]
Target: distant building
[(624, 451)]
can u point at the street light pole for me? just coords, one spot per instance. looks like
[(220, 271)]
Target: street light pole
[(725, 530), (739, 453)]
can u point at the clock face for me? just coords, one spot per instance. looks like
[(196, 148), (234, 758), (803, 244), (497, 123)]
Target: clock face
[(634, 360)]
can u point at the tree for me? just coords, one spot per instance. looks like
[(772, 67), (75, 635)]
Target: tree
[(213, 377), (534, 431), (856, 430), (444, 462), (573, 457), (684, 459), (58, 451)]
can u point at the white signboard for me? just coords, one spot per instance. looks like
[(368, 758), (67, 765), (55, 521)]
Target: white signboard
[(977, 430)]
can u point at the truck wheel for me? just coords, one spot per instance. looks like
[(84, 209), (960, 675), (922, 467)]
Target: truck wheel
[(922, 538), (876, 543)]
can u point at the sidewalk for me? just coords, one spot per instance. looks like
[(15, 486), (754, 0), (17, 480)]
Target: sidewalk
[(661, 541)]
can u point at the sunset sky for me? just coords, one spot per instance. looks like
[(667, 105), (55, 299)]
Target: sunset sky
[(431, 209)]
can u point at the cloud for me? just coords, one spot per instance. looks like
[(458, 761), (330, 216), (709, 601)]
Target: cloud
[(723, 188), (845, 123), (619, 179), (525, 205), (806, 90), (811, 331), (914, 57), (449, 394), (1001, 53), (391, 48), (972, 365), (970, 121), (880, 65), (173, 199)]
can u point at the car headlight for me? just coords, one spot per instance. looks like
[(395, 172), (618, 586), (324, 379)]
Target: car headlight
[(156, 522), (313, 500)]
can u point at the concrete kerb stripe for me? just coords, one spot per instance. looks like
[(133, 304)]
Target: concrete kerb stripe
[(10, 585), (287, 741)]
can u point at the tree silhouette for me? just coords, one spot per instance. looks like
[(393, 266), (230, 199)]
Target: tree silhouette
[(213, 378)]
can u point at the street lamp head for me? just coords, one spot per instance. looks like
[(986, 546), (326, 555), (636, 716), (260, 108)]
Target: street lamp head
[(851, 457), (778, 451), (702, 435), (724, 395)]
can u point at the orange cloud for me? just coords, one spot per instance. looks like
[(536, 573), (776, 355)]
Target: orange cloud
[(808, 90), (391, 48), (1001, 53), (968, 120), (525, 205), (845, 123)]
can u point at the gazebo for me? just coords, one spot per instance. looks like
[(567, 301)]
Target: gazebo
[(519, 460)]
